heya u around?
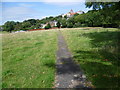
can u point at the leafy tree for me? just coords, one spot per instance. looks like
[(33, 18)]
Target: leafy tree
[(110, 12), (51, 18), (38, 25), (18, 26), (32, 21), (78, 24), (71, 20), (9, 26), (48, 26), (80, 18), (63, 23), (91, 18), (58, 24), (26, 25), (60, 16), (99, 5), (69, 24)]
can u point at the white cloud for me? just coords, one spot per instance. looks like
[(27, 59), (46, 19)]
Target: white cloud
[(18, 13), (26, 5)]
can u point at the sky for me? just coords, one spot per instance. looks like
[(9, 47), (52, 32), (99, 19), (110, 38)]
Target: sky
[(20, 11)]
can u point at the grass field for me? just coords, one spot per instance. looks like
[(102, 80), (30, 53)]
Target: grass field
[(96, 50), (28, 59)]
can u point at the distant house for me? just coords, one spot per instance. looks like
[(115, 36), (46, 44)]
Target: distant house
[(72, 13), (43, 25), (52, 23)]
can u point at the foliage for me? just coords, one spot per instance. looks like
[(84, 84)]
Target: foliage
[(64, 23), (70, 25), (80, 18), (110, 12), (38, 25), (58, 24), (48, 26), (9, 26)]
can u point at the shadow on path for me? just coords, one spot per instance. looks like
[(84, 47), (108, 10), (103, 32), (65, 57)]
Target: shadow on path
[(69, 74)]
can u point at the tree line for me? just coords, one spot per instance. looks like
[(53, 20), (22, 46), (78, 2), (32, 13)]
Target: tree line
[(103, 14)]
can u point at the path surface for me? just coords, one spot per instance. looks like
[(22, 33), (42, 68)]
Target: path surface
[(69, 74)]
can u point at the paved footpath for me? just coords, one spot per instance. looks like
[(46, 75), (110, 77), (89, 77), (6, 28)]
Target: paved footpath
[(69, 74)]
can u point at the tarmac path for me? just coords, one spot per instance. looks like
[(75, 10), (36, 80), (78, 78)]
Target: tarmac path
[(69, 74)]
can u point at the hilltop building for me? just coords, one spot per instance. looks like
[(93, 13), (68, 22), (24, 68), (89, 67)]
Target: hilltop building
[(68, 15)]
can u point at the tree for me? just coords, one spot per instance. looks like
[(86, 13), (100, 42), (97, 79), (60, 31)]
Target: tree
[(18, 26), (51, 18), (32, 21), (91, 18), (71, 22), (38, 25), (63, 23), (78, 24), (110, 12), (58, 24), (9, 26), (26, 25), (48, 26), (70, 25), (99, 5), (80, 18)]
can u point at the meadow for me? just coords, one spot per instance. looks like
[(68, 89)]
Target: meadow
[(97, 52), (28, 59)]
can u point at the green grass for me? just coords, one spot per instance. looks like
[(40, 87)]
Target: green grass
[(28, 59), (3, 32), (96, 50)]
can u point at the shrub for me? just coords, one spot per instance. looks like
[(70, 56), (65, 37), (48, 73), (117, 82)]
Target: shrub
[(48, 26)]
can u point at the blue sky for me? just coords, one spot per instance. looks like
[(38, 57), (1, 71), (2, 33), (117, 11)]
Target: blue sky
[(19, 11)]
